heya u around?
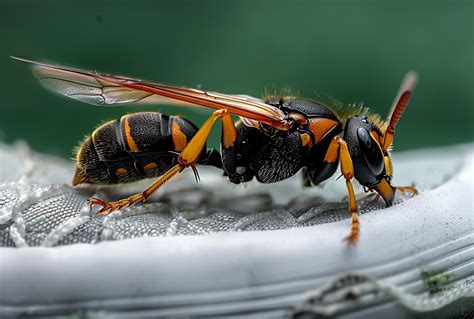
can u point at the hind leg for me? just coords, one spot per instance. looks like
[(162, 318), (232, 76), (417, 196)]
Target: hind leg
[(188, 158)]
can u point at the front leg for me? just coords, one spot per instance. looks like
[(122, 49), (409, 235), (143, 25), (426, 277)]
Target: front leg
[(407, 190), (348, 172), (410, 190)]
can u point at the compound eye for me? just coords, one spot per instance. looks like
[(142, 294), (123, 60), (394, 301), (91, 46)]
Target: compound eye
[(372, 153)]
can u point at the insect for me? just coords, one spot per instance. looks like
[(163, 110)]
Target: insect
[(275, 138)]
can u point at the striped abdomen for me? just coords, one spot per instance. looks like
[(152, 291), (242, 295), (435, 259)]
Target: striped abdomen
[(139, 145)]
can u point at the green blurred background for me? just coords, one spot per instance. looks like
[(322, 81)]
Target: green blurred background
[(350, 50)]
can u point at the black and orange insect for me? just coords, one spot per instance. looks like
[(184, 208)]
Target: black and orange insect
[(275, 138)]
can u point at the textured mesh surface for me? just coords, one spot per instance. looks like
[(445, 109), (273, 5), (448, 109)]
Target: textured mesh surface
[(58, 215), (35, 210)]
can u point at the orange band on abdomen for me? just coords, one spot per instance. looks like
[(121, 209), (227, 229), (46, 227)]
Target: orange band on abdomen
[(130, 142), (179, 138)]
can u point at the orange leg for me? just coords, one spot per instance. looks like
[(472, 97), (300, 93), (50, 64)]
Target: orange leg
[(406, 189), (389, 169), (348, 172), (108, 207), (188, 157)]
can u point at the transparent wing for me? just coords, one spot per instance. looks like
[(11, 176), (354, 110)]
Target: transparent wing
[(105, 90)]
